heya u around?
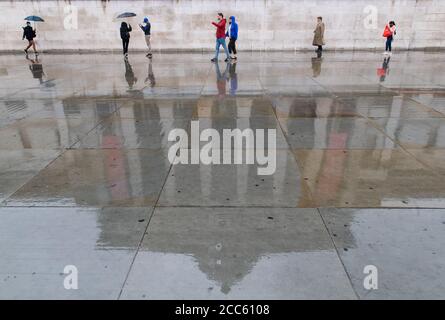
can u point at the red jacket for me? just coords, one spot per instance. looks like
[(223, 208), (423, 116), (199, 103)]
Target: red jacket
[(220, 29)]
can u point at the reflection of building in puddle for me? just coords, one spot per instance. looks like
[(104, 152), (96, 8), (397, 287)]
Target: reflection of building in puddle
[(229, 244)]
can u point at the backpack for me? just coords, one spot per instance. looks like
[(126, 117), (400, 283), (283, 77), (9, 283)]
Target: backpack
[(387, 32)]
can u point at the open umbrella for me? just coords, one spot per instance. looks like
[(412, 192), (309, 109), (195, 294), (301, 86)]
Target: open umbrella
[(126, 15), (34, 18)]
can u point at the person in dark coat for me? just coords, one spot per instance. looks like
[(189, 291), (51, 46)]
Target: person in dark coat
[(29, 33), (125, 36)]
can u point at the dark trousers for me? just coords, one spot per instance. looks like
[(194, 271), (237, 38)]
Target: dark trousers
[(232, 46), (388, 44), (320, 48), (125, 43)]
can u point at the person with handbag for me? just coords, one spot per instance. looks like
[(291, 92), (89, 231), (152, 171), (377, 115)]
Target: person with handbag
[(389, 33)]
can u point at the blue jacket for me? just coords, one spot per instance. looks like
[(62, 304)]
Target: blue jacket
[(233, 29)]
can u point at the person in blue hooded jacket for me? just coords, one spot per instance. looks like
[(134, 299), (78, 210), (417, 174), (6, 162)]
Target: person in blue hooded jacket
[(146, 27), (232, 33)]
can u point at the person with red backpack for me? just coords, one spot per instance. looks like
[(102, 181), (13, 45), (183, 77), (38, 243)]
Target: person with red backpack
[(389, 33)]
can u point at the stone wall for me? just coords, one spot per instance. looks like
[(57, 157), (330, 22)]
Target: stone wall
[(264, 24)]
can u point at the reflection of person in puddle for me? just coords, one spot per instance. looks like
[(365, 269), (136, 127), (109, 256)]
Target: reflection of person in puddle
[(384, 70), (233, 79), (316, 64), (221, 79), (150, 77), (36, 69), (129, 74)]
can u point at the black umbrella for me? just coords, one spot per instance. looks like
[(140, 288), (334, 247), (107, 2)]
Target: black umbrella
[(126, 15), (34, 18)]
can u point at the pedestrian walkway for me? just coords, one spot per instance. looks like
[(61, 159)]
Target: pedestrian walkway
[(86, 180)]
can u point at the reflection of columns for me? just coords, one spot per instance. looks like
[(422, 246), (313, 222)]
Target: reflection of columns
[(134, 174), (323, 106), (283, 170), (310, 169), (3, 109), (127, 110), (62, 123), (167, 111), (320, 132), (244, 107), (395, 112), (440, 137)]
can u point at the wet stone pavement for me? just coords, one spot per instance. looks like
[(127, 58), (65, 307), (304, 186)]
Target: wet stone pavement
[(85, 178)]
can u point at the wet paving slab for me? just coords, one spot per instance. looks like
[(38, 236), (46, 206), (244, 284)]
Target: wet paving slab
[(237, 254), (422, 133), (115, 177), (37, 244), (405, 246), (237, 185), (391, 107), (370, 178), (19, 166), (312, 107), (334, 133), (86, 179)]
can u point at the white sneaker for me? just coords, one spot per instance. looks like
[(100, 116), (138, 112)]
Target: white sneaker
[(385, 53)]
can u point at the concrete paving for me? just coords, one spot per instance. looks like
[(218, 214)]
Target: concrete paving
[(85, 178)]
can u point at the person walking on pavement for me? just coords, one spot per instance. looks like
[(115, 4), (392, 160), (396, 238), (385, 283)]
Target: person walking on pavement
[(146, 27), (125, 36), (29, 33), (232, 33), (389, 33), (319, 35), (220, 37)]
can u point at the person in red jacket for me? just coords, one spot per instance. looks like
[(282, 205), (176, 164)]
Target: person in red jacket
[(220, 36)]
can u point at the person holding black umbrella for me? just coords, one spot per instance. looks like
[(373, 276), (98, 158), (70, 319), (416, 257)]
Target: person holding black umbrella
[(125, 36), (29, 33)]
